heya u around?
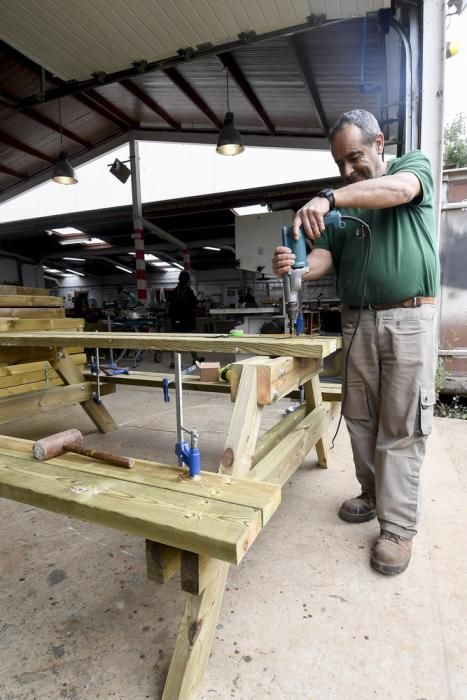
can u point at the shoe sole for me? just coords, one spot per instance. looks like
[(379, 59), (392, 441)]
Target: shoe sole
[(357, 517), (387, 568)]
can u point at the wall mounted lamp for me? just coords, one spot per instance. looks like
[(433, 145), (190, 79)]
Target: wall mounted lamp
[(120, 170)]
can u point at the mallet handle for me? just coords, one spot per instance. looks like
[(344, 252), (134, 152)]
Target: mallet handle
[(117, 460)]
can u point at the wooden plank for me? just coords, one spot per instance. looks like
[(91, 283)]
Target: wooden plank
[(21, 368), (162, 562), (196, 572), (12, 356), (274, 435), (244, 426), (24, 404), (31, 312), (278, 376), (7, 289), (218, 529), (313, 400), (300, 346), (195, 636), (14, 300), (265, 498), (39, 324), (281, 462), (71, 374)]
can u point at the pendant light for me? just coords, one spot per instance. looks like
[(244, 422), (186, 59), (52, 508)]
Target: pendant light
[(229, 142), (63, 172)]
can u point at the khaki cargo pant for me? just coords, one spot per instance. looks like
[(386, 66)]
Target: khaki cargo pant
[(388, 406)]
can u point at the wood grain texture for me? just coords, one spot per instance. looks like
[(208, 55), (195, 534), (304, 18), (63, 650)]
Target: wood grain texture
[(14, 300), (300, 346), (195, 523)]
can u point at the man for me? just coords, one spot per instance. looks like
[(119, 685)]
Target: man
[(389, 384), (182, 308)]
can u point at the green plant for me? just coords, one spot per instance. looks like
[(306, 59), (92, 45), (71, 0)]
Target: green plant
[(455, 143)]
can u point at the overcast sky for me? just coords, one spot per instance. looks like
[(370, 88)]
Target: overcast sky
[(184, 170)]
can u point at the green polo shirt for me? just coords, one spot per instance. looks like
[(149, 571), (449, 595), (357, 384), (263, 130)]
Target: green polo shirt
[(403, 257)]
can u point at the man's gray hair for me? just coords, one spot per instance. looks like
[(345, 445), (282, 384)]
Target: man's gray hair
[(365, 121)]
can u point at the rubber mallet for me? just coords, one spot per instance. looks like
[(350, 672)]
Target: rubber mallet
[(72, 441)]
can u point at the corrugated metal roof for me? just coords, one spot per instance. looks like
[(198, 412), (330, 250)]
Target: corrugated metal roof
[(75, 39)]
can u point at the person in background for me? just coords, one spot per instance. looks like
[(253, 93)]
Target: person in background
[(388, 290), (182, 304)]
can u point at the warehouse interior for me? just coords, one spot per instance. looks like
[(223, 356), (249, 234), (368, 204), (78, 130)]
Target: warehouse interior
[(302, 615)]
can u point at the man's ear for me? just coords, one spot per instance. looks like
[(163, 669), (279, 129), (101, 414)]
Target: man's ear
[(379, 143)]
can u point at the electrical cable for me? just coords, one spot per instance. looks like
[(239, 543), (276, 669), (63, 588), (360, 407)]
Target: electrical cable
[(363, 225)]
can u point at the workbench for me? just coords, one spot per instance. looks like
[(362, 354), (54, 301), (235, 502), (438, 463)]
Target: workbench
[(196, 527)]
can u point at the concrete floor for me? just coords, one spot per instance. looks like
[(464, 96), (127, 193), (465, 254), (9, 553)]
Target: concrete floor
[(304, 616)]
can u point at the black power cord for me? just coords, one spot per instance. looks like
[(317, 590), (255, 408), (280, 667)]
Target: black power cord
[(363, 227)]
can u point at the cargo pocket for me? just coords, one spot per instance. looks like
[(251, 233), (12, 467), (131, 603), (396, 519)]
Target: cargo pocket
[(427, 402), (355, 404)]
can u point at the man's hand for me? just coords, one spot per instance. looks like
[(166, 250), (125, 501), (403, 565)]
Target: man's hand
[(310, 217), (282, 261)]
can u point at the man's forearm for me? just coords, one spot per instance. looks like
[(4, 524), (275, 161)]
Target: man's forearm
[(319, 264), (379, 192)]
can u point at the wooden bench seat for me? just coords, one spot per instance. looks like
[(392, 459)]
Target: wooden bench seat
[(217, 515)]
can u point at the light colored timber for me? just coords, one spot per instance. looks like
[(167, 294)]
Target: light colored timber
[(162, 562), (39, 366), (14, 300), (278, 376), (8, 289), (40, 324), (216, 528), (244, 426), (300, 346), (196, 572), (242, 492), (314, 399), (31, 312), (201, 613), (283, 460), (71, 374), (330, 392), (274, 435), (18, 355), (24, 404)]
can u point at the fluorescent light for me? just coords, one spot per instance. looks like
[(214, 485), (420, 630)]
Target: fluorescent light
[(160, 264), (253, 209), (180, 267), (74, 272), (149, 257), (210, 247), (67, 231), (85, 240), (51, 269), (124, 269), (76, 259)]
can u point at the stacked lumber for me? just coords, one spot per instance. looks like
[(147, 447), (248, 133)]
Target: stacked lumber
[(26, 369)]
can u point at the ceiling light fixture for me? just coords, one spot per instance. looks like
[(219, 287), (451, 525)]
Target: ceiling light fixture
[(210, 247), (124, 269), (120, 170), (74, 272), (75, 259), (63, 172), (84, 240), (229, 142)]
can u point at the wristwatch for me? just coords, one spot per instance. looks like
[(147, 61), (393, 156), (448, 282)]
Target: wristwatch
[(329, 195)]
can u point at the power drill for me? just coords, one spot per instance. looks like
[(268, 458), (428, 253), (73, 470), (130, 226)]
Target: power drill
[(293, 279)]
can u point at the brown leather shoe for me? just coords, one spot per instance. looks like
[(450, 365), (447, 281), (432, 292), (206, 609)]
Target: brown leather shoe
[(359, 509), (391, 553)]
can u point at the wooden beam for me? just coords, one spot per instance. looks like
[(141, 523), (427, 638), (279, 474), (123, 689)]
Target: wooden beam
[(276, 346), (24, 148), (40, 324), (281, 462), (272, 437), (150, 103), (278, 376), (71, 374), (13, 300), (313, 400), (196, 572), (26, 403), (184, 86), (162, 561), (32, 312)]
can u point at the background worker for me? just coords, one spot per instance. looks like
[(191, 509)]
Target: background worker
[(390, 367), (182, 304)]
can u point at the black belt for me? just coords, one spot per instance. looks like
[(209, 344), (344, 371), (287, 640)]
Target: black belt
[(411, 303)]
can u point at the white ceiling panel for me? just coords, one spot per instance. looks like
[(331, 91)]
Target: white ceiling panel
[(75, 38)]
